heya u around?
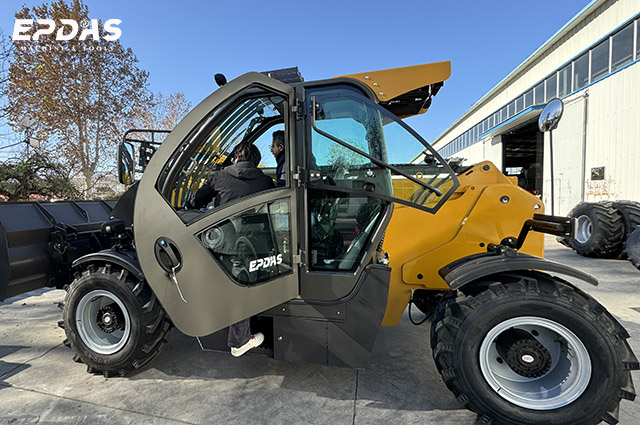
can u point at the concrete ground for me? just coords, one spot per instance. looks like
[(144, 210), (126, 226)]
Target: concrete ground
[(39, 382)]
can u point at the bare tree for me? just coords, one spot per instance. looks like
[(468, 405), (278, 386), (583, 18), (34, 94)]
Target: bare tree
[(81, 92), (164, 112)]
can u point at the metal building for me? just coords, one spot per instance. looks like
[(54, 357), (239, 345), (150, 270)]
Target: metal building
[(592, 65)]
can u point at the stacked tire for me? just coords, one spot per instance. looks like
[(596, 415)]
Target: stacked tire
[(604, 228), (633, 247)]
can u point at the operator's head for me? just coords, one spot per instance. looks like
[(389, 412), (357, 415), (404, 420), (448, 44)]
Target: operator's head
[(247, 152), (277, 145)]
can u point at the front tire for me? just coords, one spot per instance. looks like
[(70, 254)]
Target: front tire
[(113, 322), (530, 348)]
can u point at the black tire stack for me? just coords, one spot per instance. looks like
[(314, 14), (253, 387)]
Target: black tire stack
[(633, 247), (604, 228)]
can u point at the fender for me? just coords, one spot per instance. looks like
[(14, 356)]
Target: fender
[(473, 267), (120, 258)]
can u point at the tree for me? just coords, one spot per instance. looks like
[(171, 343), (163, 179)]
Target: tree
[(81, 92), (163, 112), (36, 177)]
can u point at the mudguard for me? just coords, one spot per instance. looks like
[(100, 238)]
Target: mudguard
[(125, 259), (468, 269)]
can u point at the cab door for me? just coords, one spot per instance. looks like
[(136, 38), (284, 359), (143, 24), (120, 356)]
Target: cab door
[(212, 267)]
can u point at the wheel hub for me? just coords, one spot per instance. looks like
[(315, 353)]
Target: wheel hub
[(535, 363), (109, 319), (525, 355), (528, 358), (584, 229)]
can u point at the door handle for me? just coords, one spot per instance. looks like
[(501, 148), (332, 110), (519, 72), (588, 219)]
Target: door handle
[(168, 255)]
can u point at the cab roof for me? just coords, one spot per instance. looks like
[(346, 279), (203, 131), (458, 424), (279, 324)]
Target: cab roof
[(408, 90), (404, 91)]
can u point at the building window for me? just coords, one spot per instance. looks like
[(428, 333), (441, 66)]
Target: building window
[(503, 114), (512, 109), (552, 87), (528, 99), (564, 81), (539, 94), (622, 47), (519, 101), (581, 72), (600, 60), (638, 39)]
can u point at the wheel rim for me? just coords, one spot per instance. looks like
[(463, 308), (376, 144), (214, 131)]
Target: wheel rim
[(584, 229), (103, 322), (566, 379)]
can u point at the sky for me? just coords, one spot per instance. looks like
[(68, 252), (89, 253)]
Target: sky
[(182, 44)]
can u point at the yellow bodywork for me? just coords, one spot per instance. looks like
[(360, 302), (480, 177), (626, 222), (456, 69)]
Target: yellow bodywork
[(419, 244), (388, 84)]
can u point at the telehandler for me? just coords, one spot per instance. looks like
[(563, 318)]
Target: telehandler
[(371, 219)]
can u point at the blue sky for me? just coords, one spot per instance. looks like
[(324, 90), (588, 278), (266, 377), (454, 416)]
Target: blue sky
[(183, 44)]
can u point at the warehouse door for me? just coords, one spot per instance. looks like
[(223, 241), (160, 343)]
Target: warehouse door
[(523, 154)]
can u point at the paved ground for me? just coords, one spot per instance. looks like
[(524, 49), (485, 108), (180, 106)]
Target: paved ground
[(39, 383)]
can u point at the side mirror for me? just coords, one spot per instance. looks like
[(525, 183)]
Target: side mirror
[(126, 164), (550, 116), (548, 121)]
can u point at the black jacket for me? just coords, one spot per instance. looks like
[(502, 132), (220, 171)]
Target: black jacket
[(233, 182), (280, 171)]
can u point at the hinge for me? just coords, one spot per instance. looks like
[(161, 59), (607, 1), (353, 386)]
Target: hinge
[(305, 176), (298, 258), (301, 176), (297, 109)]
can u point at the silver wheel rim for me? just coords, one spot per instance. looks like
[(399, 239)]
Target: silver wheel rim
[(87, 323), (565, 381), (584, 229)]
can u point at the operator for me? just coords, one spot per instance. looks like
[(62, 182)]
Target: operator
[(240, 179), (277, 149)]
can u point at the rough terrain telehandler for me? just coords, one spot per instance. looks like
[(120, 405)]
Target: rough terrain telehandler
[(371, 219)]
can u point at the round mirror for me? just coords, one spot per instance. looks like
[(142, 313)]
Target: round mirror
[(550, 116)]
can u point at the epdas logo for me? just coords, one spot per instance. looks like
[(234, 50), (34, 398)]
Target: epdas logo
[(265, 263), (68, 30)]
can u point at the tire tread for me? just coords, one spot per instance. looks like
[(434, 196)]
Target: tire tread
[(454, 307), (154, 321)]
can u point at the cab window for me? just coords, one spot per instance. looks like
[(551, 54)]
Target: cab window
[(349, 130), (254, 246), (250, 118)]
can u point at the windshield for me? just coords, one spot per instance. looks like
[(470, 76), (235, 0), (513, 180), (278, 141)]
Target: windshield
[(360, 146)]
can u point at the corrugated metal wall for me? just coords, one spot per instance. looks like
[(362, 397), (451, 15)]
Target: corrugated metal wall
[(613, 136), (568, 157)]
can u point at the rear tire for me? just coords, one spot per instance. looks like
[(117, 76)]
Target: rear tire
[(113, 322), (599, 231), (578, 376)]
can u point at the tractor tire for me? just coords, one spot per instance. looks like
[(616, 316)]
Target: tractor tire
[(630, 213), (599, 230), (113, 321), (529, 348), (633, 247)]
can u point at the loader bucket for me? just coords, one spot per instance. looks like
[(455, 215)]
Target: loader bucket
[(39, 241)]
